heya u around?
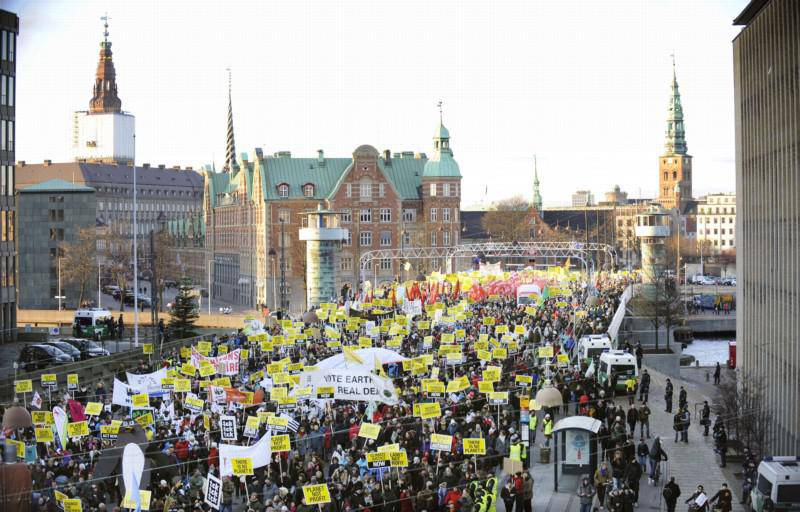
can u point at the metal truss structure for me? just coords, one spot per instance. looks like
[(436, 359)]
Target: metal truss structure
[(586, 253)]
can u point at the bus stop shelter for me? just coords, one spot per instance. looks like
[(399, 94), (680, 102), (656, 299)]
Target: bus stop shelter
[(577, 438)]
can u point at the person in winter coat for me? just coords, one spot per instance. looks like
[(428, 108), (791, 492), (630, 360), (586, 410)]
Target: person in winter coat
[(644, 387), (642, 452), (602, 481), (633, 473), (228, 489), (705, 417), (527, 492), (633, 419), (700, 492), (657, 454), (668, 396), (509, 495), (724, 499), (586, 494), (644, 419), (671, 493)]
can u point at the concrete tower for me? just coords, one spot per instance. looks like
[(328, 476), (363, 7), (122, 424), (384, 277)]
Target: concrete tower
[(323, 238), (652, 230), (675, 165), (104, 133)]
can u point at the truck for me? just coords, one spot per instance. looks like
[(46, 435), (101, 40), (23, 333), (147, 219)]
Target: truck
[(778, 480)]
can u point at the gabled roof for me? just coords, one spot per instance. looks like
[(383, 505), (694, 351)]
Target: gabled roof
[(296, 172), (56, 185)]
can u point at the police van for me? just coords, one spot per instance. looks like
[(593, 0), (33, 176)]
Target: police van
[(591, 346), (778, 480), (91, 323), (618, 365)]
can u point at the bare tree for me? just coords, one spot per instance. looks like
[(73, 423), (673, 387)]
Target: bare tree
[(659, 302), (509, 220), (296, 265), (744, 408), (118, 258), (79, 266), (164, 265)]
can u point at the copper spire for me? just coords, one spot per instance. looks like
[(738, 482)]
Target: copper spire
[(104, 96)]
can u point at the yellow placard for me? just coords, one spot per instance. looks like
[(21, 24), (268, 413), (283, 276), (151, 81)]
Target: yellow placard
[(182, 385), (194, 404), (474, 446), (60, 497), (398, 459), (562, 359), (369, 431), (42, 418), (492, 374), (501, 329), (316, 494), (389, 448), (186, 352), (207, 370), (147, 348), (488, 320), (523, 380), (500, 353), (281, 443), (485, 386), (498, 397), (44, 435), (77, 429), (49, 379), (519, 329), (140, 401), (145, 419), (72, 505), (441, 442), (459, 384), (188, 369), (93, 408), (546, 351), (430, 410), (242, 466), (23, 386), (204, 347), (144, 498), (72, 381), (222, 349), (436, 387), (484, 355), (325, 391)]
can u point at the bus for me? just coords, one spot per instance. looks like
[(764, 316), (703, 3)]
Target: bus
[(779, 480), (91, 323), (618, 366)]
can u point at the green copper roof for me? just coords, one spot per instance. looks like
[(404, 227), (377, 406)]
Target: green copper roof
[(296, 172), (675, 143), (56, 185), (441, 164)]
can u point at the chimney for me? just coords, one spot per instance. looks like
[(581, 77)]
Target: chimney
[(21, 163), (176, 167), (145, 166), (387, 157), (189, 168), (161, 166), (47, 163)]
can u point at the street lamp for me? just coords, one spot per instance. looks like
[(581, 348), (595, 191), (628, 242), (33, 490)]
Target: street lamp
[(272, 255), (284, 302)]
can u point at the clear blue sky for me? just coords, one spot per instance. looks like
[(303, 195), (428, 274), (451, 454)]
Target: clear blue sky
[(582, 84)]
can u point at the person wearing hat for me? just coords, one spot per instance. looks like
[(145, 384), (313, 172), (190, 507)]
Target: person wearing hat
[(586, 492), (547, 428)]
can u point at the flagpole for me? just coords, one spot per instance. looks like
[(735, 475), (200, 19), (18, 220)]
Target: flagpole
[(135, 267)]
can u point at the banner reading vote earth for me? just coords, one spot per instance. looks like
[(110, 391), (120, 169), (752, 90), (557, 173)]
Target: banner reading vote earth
[(354, 384)]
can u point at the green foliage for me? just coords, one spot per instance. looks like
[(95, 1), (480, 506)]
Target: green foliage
[(184, 314)]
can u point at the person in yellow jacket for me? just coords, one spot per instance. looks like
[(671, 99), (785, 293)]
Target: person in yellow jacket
[(547, 428), (534, 420), (630, 386)]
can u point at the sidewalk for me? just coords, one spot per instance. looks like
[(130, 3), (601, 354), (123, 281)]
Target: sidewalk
[(691, 464)]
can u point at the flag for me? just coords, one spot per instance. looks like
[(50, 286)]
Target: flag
[(292, 425), (76, 410), (378, 366), (457, 290), (36, 401), (567, 264)]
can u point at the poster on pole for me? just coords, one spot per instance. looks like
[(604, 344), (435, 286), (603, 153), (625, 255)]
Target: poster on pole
[(213, 495), (227, 426), (316, 494)]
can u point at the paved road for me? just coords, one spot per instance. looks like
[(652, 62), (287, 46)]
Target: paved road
[(691, 464)]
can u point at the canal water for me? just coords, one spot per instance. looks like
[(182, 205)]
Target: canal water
[(709, 351)]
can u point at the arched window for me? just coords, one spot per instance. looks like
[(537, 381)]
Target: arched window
[(283, 190), (308, 190), (674, 175)]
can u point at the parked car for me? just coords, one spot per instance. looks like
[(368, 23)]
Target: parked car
[(111, 289), (728, 281), (87, 348), (143, 301), (40, 356), (66, 348)]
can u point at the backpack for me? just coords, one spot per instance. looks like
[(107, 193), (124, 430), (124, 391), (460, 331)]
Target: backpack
[(667, 493)]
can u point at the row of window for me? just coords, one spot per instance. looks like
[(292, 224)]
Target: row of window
[(283, 190), (723, 243), (6, 180), (712, 210), (385, 239), (8, 266), (717, 220), (716, 231), (148, 192), (8, 45), (364, 190), (346, 264), (6, 135), (146, 207), (7, 90), (7, 225), (443, 189)]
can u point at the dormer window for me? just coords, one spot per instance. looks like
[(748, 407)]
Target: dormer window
[(308, 190), (283, 190)]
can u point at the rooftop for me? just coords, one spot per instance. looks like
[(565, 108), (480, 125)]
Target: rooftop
[(55, 185)]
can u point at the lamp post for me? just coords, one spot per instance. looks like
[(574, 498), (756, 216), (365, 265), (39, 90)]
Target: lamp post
[(284, 302), (678, 234), (272, 255)]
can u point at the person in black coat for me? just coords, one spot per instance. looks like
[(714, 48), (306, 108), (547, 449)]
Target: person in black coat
[(633, 473), (671, 493), (668, 396)]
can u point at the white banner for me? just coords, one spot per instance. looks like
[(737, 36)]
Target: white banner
[(226, 364), (260, 453), (213, 491), (122, 394), (149, 383), (356, 383)]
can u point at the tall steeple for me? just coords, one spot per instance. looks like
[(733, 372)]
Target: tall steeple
[(104, 96), (230, 150), (537, 196), (675, 143)]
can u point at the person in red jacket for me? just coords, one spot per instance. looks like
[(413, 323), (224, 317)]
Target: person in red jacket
[(354, 428), (213, 456), (452, 497)]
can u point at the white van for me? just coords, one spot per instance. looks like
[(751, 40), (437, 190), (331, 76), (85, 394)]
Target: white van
[(778, 479), (591, 346), (90, 320), (619, 364)]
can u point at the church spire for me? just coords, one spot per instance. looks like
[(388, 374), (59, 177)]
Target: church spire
[(230, 150), (675, 143), (537, 196), (104, 95)]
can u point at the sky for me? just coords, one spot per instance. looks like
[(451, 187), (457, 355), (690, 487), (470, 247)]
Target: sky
[(583, 85)]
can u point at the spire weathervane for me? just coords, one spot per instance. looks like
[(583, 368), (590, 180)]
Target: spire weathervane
[(230, 151), (105, 19), (439, 104)]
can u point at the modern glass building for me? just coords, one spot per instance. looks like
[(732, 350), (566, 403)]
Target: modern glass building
[(9, 28)]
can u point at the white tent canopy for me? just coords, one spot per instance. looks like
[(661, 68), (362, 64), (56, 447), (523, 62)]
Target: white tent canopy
[(368, 355)]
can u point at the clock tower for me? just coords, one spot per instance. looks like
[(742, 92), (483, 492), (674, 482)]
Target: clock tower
[(675, 164)]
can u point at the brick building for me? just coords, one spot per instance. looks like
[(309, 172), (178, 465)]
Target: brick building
[(385, 201)]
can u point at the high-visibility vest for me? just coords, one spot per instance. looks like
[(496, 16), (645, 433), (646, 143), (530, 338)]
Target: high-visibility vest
[(548, 427), (516, 452), (534, 420)]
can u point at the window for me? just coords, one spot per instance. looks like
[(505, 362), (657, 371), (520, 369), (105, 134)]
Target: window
[(446, 214), (386, 215), (409, 215), (365, 190), (381, 189), (366, 265), (308, 190), (283, 190), (433, 190), (56, 215), (11, 40), (446, 189), (11, 91), (3, 45), (3, 125), (3, 90), (55, 233), (346, 263), (349, 190), (386, 238), (386, 264), (674, 175), (406, 239), (433, 215), (284, 216), (349, 241), (666, 175), (365, 215), (446, 238), (11, 135), (365, 238), (346, 217), (433, 238)]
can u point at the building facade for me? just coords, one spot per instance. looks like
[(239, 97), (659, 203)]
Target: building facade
[(9, 28), (766, 58), (582, 198), (716, 222), (675, 165), (52, 213), (255, 210)]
